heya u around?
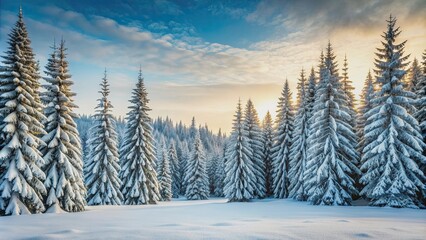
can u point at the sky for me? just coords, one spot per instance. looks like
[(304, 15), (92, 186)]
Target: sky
[(198, 57)]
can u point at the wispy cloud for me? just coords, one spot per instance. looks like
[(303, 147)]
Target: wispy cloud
[(184, 69)]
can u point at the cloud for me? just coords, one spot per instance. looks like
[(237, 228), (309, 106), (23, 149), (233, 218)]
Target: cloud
[(328, 14), (182, 69), (303, 28), (95, 42), (179, 56), (221, 8)]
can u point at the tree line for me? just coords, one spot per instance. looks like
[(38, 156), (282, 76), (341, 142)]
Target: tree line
[(46, 165), (327, 150), (323, 149)]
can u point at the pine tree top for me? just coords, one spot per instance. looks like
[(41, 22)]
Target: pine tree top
[(330, 60), (301, 89), (267, 121)]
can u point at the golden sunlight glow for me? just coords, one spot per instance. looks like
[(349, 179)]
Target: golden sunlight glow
[(264, 106)]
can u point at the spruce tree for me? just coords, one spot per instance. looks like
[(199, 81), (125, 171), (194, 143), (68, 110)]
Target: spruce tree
[(283, 140), (21, 179), (240, 178), (421, 117), (415, 76), (62, 152), (332, 157), (190, 140), (299, 146), (212, 162), (366, 105), (421, 104), (197, 179), (268, 142), (310, 93), (254, 136), (393, 143), (192, 130), (137, 154), (220, 174), (183, 164), (165, 175), (102, 169), (348, 89), (175, 170)]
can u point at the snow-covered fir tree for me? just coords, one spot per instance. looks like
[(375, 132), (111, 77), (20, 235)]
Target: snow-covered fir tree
[(159, 144), (240, 178), (268, 144), (183, 164), (393, 143), (254, 136), (421, 104), (415, 75), (84, 123), (21, 177), (175, 170), (219, 183), (310, 93), (299, 146), (421, 117), (197, 179), (321, 66), (62, 153), (350, 105), (192, 131), (102, 168), (348, 89), (164, 174), (282, 143), (137, 154), (365, 105), (212, 162), (332, 157)]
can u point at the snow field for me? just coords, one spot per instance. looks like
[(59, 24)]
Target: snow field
[(217, 219)]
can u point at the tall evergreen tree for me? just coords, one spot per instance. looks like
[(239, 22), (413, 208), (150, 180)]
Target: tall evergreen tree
[(268, 144), (212, 161), (415, 76), (321, 66), (192, 132), (254, 136), (220, 174), (421, 105), (240, 179), (298, 150), (62, 152), (137, 154), (283, 140), (175, 170), (366, 105), (348, 89), (197, 178), (21, 179), (332, 156), (310, 93), (421, 117), (393, 143), (165, 175), (183, 164), (102, 168)]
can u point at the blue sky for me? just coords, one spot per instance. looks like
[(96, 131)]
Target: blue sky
[(198, 57)]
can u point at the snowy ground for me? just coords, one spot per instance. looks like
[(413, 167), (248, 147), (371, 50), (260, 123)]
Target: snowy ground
[(216, 219)]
